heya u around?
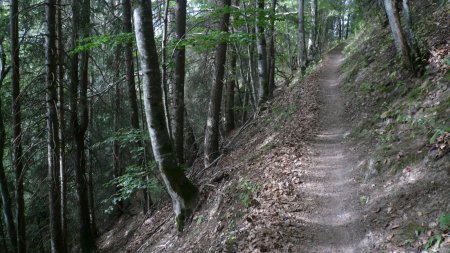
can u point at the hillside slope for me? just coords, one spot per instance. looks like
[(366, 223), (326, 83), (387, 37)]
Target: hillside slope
[(355, 160)]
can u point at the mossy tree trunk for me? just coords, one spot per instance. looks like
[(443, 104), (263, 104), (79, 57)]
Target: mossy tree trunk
[(182, 192)]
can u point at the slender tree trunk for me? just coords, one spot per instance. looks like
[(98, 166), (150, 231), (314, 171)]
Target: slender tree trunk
[(117, 169), (61, 127), (165, 89), (51, 56), (229, 94), (313, 40), (215, 99), (182, 192), (132, 97), (302, 57), (397, 32), (410, 37), (4, 191), (79, 121), (272, 58), (178, 87), (17, 126), (263, 92)]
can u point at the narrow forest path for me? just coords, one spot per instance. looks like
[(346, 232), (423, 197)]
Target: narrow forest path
[(332, 217)]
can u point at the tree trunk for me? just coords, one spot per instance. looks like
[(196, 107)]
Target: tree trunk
[(61, 127), (79, 109), (312, 52), (397, 32), (182, 192), (215, 99), (17, 126), (132, 97), (272, 50), (263, 92), (302, 57), (51, 56), (229, 94), (410, 37), (4, 191), (164, 69), (178, 87)]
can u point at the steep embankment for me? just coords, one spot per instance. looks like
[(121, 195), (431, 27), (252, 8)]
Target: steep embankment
[(402, 122)]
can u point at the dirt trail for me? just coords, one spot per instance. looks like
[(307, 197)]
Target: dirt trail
[(332, 217)]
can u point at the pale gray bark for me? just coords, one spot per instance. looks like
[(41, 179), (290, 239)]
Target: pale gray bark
[(397, 32), (182, 192)]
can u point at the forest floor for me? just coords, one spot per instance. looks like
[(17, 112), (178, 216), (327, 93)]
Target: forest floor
[(293, 180)]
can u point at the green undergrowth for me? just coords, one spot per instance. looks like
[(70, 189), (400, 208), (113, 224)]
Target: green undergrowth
[(401, 115)]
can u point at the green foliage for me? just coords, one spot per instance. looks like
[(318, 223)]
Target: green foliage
[(247, 190), (109, 40), (434, 241), (444, 222), (438, 132), (132, 180), (366, 88)]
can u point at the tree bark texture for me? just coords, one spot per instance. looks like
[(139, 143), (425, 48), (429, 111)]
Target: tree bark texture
[(229, 94), (51, 57), (178, 87), (182, 192), (271, 70), (397, 32), (79, 121), (302, 57), (215, 99), (263, 92)]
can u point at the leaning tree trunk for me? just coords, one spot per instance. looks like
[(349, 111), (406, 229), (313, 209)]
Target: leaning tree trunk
[(182, 192), (4, 191), (17, 126), (215, 99), (263, 92), (302, 57), (178, 87), (398, 34), (51, 58)]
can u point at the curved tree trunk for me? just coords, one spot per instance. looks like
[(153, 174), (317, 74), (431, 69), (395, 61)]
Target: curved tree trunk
[(215, 99), (182, 192)]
